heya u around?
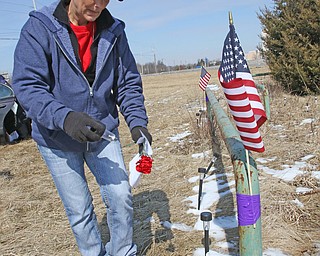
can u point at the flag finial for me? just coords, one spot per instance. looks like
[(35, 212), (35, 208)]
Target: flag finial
[(230, 18)]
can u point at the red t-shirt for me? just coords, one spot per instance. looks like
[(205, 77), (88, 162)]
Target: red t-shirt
[(85, 35)]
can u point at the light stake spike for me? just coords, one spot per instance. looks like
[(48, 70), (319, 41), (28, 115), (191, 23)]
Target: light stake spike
[(202, 172), (215, 157)]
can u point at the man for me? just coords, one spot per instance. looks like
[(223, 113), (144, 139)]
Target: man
[(72, 70)]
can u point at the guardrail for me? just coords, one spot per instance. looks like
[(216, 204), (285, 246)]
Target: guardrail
[(250, 237)]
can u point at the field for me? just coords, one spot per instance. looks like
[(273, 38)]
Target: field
[(33, 220)]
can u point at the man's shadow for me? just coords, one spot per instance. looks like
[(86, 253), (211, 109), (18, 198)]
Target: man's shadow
[(151, 211)]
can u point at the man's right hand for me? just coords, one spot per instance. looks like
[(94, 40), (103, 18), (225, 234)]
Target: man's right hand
[(81, 127)]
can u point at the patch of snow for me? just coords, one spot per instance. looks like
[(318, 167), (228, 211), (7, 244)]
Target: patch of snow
[(298, 203), (213, 87), (201, 251), (178, 226), (316, 174), (226, 245), (307, 121), (268, 252), (288, 174), (290, 171), (273, 252), (201, 155), (307, 157), (278, 127), (179, 136), (302, 190), (265, 160), (193, 179)]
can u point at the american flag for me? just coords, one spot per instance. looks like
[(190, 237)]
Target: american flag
[(241, 93), (204, 79)]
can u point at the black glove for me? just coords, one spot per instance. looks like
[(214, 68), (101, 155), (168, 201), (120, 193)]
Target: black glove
[(82, 127), (136, 134)]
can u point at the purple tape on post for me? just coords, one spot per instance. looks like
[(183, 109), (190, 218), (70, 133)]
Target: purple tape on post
[(248, 209)]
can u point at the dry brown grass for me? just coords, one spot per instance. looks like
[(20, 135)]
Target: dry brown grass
[(33, 220)]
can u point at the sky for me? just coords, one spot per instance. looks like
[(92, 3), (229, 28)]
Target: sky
[(173, 31)]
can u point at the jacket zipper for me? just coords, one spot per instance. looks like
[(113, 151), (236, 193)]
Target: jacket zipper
[(105, 60), (65, 54)]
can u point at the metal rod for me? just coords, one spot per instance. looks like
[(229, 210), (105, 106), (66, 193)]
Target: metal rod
[(215, 157), (206, 242), (34, 5), (200, 193), (201, 171)]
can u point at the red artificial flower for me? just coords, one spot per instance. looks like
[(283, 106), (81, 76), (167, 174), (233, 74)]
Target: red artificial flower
[(144, 164)]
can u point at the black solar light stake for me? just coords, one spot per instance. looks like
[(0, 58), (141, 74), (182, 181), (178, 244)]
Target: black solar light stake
[(202, 172), (206, 217)]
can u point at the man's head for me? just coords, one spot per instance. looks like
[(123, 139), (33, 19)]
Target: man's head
[(81, 12)]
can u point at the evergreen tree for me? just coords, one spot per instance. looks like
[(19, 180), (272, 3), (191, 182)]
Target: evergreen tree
[(291, 44)]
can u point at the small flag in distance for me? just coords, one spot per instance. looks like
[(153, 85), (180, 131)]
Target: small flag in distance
[(204, 79)]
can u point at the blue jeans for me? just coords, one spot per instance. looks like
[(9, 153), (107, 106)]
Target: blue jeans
[(107, 165)]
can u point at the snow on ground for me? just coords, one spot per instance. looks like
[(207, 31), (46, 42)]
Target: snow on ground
[(307, 121), (180, 136), (290, 171), (210, 195), (268, 252), (201, 155)]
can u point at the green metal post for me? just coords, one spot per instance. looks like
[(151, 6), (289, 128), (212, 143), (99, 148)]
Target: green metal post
[(250, 238)]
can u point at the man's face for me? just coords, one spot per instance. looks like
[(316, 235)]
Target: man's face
[(86, 10)]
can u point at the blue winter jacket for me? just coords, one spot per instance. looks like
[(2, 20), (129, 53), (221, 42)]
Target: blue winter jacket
[(49, 83)]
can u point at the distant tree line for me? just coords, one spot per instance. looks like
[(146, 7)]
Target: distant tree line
[(160, 67), (291, 44)]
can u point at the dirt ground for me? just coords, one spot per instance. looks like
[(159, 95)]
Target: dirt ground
[(33, 220)]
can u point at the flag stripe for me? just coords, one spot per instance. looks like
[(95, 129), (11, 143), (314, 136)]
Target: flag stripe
[(254, 146), (246, 125), (244, 75)]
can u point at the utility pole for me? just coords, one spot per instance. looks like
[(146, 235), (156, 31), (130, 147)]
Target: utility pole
[(155, 61)]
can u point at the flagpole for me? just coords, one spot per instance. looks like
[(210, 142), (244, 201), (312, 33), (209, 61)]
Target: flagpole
[(204, 101), (247, 151), (248, 168), (230, 18), (34, 5)]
